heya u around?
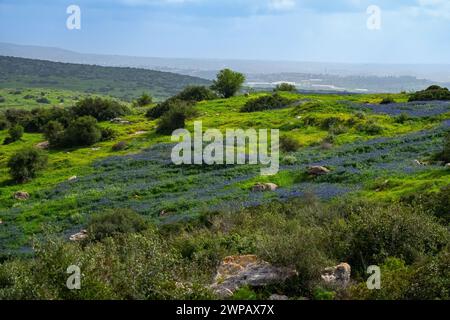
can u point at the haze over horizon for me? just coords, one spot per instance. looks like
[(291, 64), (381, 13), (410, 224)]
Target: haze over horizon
[(412, 31)]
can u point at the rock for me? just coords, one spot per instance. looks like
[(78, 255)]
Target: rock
[(418, 163), (21, 195), (80, 236), (277, 297), (318, 170), (262, 187), (73, 178), (447, 165), (338, 276), (237, 271), (96, 149), (138, 133), (120, 121), (1, 221), (43, 145)]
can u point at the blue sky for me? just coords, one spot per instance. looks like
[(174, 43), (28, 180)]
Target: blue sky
[(412, 31)]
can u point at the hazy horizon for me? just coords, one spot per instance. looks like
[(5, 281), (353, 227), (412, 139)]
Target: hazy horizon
[(410, 31)]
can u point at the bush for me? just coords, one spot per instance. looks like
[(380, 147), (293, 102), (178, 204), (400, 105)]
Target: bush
[(2, 99), (160, 109), (372, 233), (287, 87), (119, 146), (99, 108), (4, 124), (172, 120), (387, 100), (228, 83), (196, 94), (43, 100), (274, 101), (15, 133), (108, 134), (114, 222), (144, 100), (371, 128), (24, 165), (431, 93), (83, 131), (445, 154), (54, 133), (288, 144)]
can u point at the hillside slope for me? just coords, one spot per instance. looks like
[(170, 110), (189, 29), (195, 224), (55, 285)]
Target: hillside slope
[(124, 83)]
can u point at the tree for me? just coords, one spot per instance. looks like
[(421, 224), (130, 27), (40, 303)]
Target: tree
[(100, 108), (144, 100), (53, 132), (288, 87), (15, 134), (228, 83), (24, 164), (83, 131)]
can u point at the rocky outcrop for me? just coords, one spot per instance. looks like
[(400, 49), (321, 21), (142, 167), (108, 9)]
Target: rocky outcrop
[(318, 171), (338, 276), (263, 187), (80, 236), (43, 145), (21, 195), (237, 271), (277, 297)]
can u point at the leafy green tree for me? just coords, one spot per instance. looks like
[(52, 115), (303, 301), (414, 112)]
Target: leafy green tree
[(288, 87), (100, 108), (83, 131), (24, 164), (15, 134), (144, 100), (228, 83), (53, 132)]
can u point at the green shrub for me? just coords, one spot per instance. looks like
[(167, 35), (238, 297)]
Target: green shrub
[(288, 144), (113, 222), (119, 146), (228, 83), (43, 100), (172, 120), (83, 131), (387, 100), (245, 294), (375, 232), (15, 133), (144, 100), (2, 99), (54, 133), (371, 128), (431, 93), (160, 109), (108, 134), (274, 101), (196, 94), (24, 165), (100, 108), (402, 118), (4, 124), (287, 87)]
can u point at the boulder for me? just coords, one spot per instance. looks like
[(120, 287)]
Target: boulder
[(338, 276), (318, 170), (72, 178), (80, 236), (262, 187), (418, 163), (21, 195), (447, 165), (235, 272), (43, 145)]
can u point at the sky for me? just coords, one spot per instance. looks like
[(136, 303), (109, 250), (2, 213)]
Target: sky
[(410, 31)]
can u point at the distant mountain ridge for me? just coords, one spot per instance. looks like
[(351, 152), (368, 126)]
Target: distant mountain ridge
[(337, 76), (124, 83)]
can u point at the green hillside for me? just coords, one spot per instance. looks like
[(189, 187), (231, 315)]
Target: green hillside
[(123, 83)]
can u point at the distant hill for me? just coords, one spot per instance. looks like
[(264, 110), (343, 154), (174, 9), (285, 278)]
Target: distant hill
[(124, 83)]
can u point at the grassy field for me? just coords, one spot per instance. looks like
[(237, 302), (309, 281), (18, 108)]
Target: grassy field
[(375, 165)]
